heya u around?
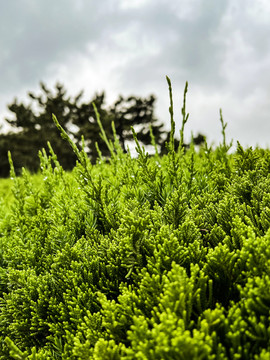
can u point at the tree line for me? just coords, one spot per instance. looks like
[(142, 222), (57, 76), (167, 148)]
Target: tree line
[(32, 126)]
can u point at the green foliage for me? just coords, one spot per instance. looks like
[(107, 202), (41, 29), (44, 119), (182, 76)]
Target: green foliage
[(137, 258)]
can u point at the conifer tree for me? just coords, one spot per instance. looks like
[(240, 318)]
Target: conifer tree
[(133, 112), (32, 126), (85, 120)]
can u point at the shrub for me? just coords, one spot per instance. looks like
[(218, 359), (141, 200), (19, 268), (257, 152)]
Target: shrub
[(147, 258)]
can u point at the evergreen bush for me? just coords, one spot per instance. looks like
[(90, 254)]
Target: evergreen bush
[(139, 258)]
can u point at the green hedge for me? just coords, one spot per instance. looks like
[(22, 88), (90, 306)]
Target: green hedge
[(147, 258)]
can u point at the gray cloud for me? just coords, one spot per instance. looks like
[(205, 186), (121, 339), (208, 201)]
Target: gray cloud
[(220, 47), (37, 34), (185, 47)]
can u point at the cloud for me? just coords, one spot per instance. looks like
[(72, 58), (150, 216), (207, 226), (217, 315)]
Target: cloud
[(184, 40), (36, 34), (128, 47)]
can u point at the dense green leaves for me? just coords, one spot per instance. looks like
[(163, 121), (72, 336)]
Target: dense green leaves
[(139, 258)]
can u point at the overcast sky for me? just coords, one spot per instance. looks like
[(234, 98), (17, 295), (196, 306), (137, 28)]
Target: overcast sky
[(222, 48)]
